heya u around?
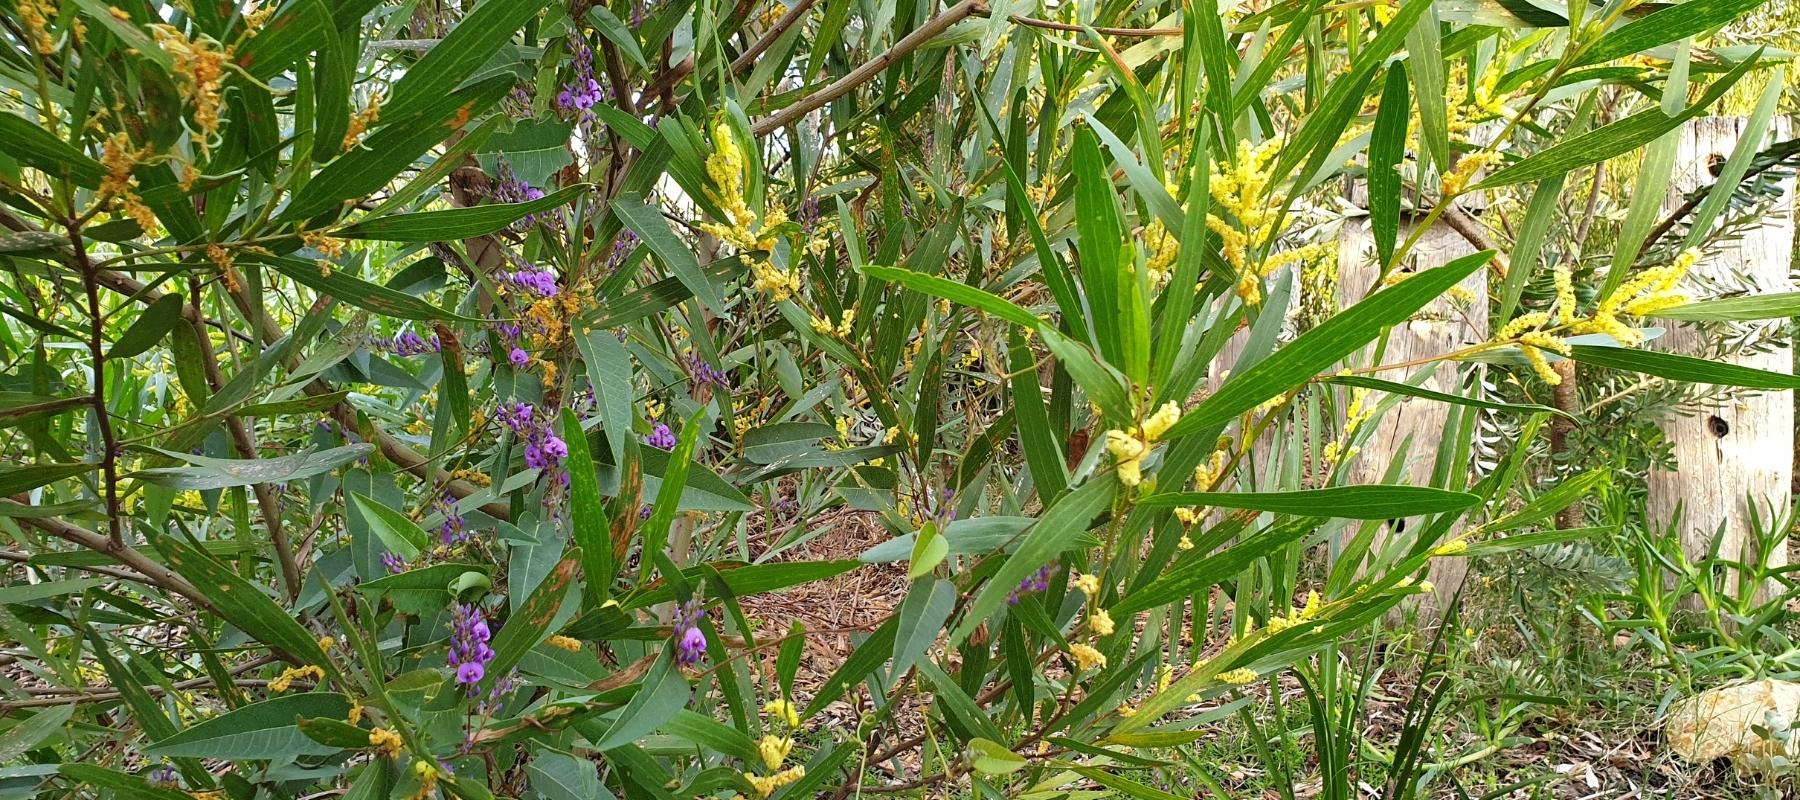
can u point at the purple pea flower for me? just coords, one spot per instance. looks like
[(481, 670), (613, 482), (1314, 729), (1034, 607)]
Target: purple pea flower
[(690, 641), (518, 357), (469, 651), (661, 437)]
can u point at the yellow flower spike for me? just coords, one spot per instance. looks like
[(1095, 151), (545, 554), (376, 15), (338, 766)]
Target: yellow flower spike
[(774, 750), (199, 67), (1459, 176), (1189, 515), (356, 711), (1185, 543), (568, 643), (1160, 422), (1565, 295), (1086, 657), (1087, 584), (1100, 622), (386, 742), (285, 680), (1239, 676), (783, 710), (361, 120)]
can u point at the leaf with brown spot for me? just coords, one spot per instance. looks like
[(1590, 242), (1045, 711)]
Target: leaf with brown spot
[(531, 624)]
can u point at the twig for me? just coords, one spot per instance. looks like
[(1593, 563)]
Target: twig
[(869, 69), (1033, 22), (109, 459), (153, 572), (794, 14), (116, 572)]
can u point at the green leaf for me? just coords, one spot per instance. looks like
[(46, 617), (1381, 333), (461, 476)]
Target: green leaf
[(298, 28), (555, 775), (534, 150), (1128, 787), (267, 729), (668, 495), (396, 530), (358, 292), (922, 616), (956, 292), (1374, 501), (34, 147), (19, 480), (994, 758), (363, 170), (867, 656), (245, 605), (334, 733), (1671, 22), (1188, 577), (712, 734), (456, 223), (1781, 305), (1682, 368), (748, 579), (592, 531), (1099, 237), (31, 731), (665, 692), (1731, 175), (1620, 137), (1425, 53), (609, 375), (656, 234), (220, 473), (1317, 349), (474, 40), (1387, 145), (534, 620), (929, 550), (128, 787), (1064, 520)]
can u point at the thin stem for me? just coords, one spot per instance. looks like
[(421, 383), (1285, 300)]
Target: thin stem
[(109, 459)]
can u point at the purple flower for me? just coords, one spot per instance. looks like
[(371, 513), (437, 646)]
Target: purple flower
[(661, 437), (690, 641), (539, 282), (450, 531), (394, 564), (164, 777), (705, 374), (582, 91), (518, 357), (469, 651), (555, 449), (508, 188), (1035, 582)]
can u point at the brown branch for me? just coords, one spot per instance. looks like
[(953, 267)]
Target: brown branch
[(794, 14), (109, 458), (869, 69), (1033, 22), (115, 572), (154, 573)]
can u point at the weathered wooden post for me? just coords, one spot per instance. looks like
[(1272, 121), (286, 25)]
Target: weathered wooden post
[(1732, 454)]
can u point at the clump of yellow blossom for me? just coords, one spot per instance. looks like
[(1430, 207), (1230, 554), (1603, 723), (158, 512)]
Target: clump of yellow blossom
[(1087, 584), (328, 246), (774, 750), (1100, 622), (783, 710), (1239, 676), (1651, 291), (119, 159), (1459, 176), (227, 268), (428, 778), (1086, 657), (36, 14), (1161, 249), (199, 66), (561, 642), (725, 169), (778, 283), (1129, 447), (1241, 189), (361, 120), (285, 680), (1299, 615), (386, 742), (1532, 342), (355, 715), (823, 326), (766, 785)]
